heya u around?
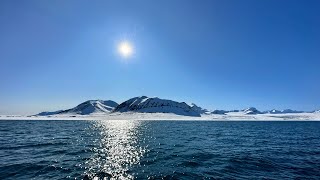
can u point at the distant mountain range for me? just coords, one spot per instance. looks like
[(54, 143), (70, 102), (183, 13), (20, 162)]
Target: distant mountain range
[(274, 111), (144, 104)]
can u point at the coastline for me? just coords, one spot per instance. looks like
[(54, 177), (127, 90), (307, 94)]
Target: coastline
[(168, 116)]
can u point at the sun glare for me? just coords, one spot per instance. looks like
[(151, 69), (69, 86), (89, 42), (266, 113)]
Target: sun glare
[(125, 49)]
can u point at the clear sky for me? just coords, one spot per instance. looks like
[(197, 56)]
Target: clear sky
[(219, 54)]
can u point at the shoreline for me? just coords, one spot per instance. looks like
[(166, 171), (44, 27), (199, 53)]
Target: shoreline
[(173, 117)]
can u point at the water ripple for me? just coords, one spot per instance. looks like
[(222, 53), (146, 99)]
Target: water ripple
[(159, 150)]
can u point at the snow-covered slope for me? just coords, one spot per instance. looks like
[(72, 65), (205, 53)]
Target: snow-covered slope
[(231, 116), (155, 105), (290, 111), (318, 111), (251, 110), (274, 111), (92, 106), (87, 108)]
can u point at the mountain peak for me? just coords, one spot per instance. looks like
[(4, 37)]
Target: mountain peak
[(86, 108), (251, 110), (92, 106), (145, 104)]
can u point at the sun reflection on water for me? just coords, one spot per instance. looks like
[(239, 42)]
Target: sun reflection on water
[(116, 150)]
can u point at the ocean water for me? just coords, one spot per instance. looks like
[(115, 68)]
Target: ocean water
[(159, 150)]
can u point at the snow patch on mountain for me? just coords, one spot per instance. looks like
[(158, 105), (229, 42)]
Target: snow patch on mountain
[(274, 111), (92, 106), (87, 108), (144, 104), (251, 110)]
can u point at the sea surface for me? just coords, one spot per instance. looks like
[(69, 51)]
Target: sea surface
[(159, 150)]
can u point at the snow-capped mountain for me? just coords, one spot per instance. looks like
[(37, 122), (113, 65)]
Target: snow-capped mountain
[(290, 111), (155, 105), (92, 106), (274, 111), (198, 109), (86, 108), (144, 104), (251, 110)]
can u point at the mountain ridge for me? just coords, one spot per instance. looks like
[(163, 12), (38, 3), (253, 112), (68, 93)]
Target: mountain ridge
[(144, 104), (87, 108)]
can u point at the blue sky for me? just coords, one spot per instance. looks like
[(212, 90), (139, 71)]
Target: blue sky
[(219, 54)]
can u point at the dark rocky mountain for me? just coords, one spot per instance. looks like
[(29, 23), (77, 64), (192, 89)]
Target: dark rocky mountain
[(251, 110), (145, 104)]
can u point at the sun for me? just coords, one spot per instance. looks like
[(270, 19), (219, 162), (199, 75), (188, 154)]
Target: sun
[(125, 49)]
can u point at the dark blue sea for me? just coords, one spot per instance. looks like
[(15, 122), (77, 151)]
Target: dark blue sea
[(159, 150)]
